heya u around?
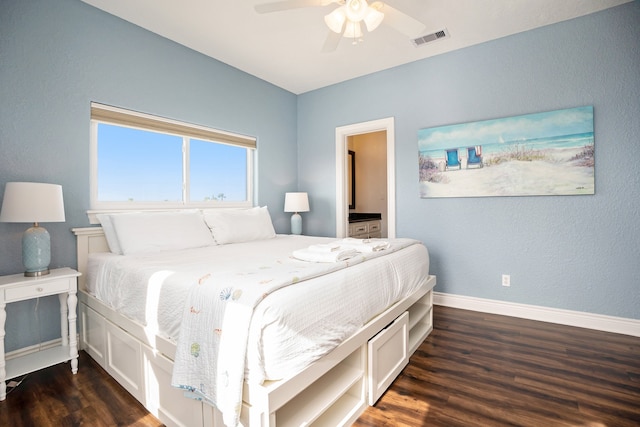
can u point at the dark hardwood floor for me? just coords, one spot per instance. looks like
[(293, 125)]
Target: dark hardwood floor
[(479, 369), (54, 397), (475, 369)]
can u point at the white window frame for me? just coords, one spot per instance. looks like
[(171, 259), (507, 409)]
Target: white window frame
[(120, 117)]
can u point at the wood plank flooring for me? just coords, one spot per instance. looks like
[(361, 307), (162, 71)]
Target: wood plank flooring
[(54, 397), (479, 369), (475, 369)]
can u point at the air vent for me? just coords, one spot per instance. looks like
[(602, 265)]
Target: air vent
[(430, 37)]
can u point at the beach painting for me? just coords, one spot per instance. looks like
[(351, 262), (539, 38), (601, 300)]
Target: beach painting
[(550, 153)]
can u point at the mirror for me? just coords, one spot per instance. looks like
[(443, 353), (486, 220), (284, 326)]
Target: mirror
[(351, 174)]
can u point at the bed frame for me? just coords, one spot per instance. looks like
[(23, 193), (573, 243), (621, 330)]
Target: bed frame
[(334, 390)]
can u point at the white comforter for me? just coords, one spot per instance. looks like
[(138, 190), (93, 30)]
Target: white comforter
[(290, 328)]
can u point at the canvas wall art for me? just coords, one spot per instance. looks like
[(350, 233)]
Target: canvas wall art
[(550, 153)]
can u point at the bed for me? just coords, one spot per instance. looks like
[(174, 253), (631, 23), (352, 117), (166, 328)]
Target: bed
[(307, 359)]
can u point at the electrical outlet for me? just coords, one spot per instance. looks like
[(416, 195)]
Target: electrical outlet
[(506, 280)]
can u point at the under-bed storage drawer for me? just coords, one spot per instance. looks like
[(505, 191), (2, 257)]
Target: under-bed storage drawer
[(116, 351), (93, 339), (387, 356), (124, 361), (168, 403), (144, 373)]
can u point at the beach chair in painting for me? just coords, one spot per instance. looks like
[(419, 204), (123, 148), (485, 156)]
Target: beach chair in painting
[(452, 159), (474, 157)]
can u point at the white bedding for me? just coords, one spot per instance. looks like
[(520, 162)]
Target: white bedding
[(290, 328)]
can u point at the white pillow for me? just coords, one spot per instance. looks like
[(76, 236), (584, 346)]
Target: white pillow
[(109, 233), (240, 225), (161, 231)]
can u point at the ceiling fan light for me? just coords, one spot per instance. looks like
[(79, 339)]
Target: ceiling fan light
[(352, 30), (356, 10), (373, 19), (335, 20)]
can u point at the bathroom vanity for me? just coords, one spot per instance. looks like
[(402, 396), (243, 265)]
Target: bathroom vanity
[(365, 225)]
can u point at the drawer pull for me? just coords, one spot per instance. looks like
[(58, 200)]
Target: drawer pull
[(39, 289)]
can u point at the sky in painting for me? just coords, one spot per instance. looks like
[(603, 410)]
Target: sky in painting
[(518, 128)]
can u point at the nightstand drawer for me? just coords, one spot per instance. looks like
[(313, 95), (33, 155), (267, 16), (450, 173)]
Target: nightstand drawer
[(36, 290)]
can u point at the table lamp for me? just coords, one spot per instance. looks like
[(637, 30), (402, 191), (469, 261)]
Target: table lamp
[(296, 202), (33, 202)]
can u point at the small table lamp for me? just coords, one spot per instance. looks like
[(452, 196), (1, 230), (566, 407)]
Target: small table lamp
[(33, 202), (296, 202)]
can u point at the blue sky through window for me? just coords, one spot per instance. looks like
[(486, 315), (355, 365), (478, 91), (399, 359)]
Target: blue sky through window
[(140, 165), (218, 171)]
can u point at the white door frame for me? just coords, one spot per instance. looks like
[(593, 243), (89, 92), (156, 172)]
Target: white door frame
[(342, 134)]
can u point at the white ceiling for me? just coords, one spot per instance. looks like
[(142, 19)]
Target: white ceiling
[(284, 48)]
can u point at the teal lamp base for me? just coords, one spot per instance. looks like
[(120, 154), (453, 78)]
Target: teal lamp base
[(36, 251), (296, 223)]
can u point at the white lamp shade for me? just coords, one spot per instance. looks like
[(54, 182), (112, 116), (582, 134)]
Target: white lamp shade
[(32, 202), (347, 19), (335, 20), (296, 202), (373, 19)]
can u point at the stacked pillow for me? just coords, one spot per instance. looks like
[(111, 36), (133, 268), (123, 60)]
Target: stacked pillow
[(239, 225), (148, 232)]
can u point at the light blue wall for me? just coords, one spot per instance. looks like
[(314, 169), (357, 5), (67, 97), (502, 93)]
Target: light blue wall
[(575, 252), (58, 56)]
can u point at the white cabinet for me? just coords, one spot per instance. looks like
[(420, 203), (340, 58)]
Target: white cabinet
[(62, 282), (365, 229)]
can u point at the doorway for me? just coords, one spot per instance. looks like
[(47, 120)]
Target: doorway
[(342, 182)]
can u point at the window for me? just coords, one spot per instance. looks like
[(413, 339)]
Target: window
[(141, 161)]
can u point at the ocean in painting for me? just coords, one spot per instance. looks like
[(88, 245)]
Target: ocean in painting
[(549, 153)]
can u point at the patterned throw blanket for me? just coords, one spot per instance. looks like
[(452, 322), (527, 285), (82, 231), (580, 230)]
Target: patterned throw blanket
[(211, 349)]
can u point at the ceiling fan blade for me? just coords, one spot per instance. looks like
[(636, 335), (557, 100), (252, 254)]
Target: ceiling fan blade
[(278, 6), (332, 41), (400, 21)]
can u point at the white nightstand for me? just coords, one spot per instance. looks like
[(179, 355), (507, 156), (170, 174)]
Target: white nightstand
[(17, 287)]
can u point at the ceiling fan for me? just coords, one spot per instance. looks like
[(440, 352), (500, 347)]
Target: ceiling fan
[(347, 19)]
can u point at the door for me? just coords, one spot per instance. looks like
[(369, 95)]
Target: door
[(342, 204)]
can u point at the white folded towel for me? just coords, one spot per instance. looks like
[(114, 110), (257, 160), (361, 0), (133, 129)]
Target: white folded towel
[(364, 245), (316, 256), (327, 247)]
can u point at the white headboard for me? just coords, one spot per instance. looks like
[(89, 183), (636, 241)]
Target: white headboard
[(88, 240)]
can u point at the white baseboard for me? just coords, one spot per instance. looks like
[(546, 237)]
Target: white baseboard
[(618, 325)]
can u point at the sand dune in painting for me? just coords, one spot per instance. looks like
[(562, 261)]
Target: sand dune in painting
[(555, 175)]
